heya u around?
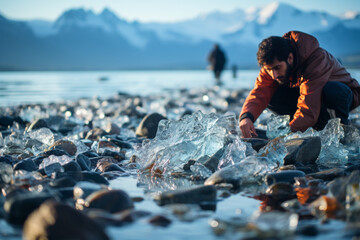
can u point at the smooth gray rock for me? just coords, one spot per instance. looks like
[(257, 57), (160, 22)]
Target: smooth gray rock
[(287, 176), (302, 150), (59, 221), (148, 125), (109, 200), (193, 195)]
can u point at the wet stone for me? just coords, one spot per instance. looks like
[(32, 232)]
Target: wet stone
[(95, 134), (83, 189), (112, 129), (84, 162), (281, 191), (6, 159), (111, 201), (19, 206), (62, 182), (193, 195), (37, 124), (108, 167), (213, 162), (59, 221), (328, 175), (302, 150), (64, 145), (72, 166), (27, 165), (160, 221), (256, 143), (55, 152), (149, 124), (283, 176), (119, 156), (121, 144), (94, 177)]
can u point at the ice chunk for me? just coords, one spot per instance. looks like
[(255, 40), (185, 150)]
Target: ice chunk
[(6, 173), (234, 153), (62, 160), (200, 170), (177, 142), (277, 126), (44, 135), (249, 170), (275, 224), (275, 150), (332, 152)]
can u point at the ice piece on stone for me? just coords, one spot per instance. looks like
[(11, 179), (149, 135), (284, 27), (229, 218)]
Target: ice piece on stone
[(234, 153), (200, 170), (249, 170), (277, 126), (44, 135), (310, 132), (275, 150), (6, 173), (275, 224), (332, 152), (177, 142), (62, 160)]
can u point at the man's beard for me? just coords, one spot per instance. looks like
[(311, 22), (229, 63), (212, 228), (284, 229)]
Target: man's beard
[(285, 80)]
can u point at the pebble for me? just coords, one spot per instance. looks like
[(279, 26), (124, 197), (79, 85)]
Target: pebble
[(55, 220)]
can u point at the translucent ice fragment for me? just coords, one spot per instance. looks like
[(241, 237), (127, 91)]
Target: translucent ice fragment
[(234, 153), (44, 135), (6, 173), (332, 152), (177, 142), (64, 159), (200, 170), (275, 151), (275, 224), (277, 126)]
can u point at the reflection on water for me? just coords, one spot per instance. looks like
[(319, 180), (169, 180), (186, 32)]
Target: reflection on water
[(45, 87)]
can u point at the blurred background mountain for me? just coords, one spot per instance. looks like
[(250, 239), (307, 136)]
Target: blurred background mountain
[(83, 40)]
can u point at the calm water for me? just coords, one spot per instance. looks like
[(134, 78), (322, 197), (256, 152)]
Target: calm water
[(42, 87)]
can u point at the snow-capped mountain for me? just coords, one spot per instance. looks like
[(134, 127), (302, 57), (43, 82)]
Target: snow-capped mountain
[(82, 39)]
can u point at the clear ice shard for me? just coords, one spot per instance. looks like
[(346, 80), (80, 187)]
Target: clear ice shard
[(189, 138), (250, 170), (6, 173), (275, 150), (62, 160), (234, 153), (275, 224), (200, 170), (44, 135), (277, 126), (333, 153)]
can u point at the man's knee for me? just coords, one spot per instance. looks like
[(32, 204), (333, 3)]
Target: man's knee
[(337, 93)]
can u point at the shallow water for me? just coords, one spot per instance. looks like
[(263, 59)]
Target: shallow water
[(50, 86)]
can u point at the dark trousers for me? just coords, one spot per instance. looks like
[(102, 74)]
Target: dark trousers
[(336, 96)]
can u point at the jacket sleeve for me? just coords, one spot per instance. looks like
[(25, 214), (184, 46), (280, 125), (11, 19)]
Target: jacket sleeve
[(260, 96), (316, 75)]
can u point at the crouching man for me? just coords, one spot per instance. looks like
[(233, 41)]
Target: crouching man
[(300, 79)]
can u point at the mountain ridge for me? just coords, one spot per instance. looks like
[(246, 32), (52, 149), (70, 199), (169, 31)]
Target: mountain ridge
[(80, 39)]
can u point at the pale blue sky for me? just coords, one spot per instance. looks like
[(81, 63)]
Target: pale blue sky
[(157, 10)]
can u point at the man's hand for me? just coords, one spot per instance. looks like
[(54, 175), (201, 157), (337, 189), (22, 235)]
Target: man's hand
[(247, 128)]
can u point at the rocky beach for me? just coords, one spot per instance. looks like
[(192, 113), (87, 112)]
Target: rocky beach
[(173, 166)]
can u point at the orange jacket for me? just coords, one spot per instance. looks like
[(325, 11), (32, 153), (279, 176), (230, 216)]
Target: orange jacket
[(315, 67)]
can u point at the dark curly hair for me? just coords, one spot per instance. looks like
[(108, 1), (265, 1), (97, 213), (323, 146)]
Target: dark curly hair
[(271, 48)]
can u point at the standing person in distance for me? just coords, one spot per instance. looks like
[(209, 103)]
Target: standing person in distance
[(217, 60)]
